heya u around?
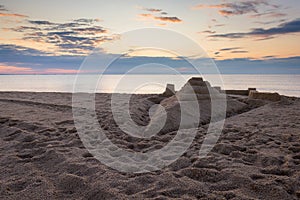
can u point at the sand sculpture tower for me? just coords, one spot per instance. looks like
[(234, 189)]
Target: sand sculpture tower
[(196, 86)]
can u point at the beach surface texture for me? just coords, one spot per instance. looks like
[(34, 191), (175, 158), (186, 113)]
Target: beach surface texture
[(42, 157)]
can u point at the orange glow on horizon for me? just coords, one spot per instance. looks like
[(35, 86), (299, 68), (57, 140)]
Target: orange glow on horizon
[(9, 69)]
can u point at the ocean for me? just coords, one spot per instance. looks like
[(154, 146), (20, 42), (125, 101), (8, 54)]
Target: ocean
[(283, 84)]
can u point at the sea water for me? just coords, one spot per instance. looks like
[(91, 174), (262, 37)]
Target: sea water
[(283, 84)]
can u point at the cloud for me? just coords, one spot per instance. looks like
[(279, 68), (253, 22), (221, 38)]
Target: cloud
[(16, 59), (86, 20), (4, 13), (20, 56), (270, 22), (236, 8), (270, 57), (272, 14), (228, 66), (201, 6), (241, 51), (268, 65), (78, 36), (2, 8), (284, 28), (12, 15), (60, 71), (24, 29), (230, 49), (146, 15), (159, 15), (161, 18), (169, 19), (153, 10), (40, 22), (208, 32), (6, 69), (8, 50), (264, 38), (162, 24), (91, 30)]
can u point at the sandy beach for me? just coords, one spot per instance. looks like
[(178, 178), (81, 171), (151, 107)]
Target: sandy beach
[(42, 157), (154, 100)]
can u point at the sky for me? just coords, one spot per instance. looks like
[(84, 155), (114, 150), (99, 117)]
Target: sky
[(55, 37)]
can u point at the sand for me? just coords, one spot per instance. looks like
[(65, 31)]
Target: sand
[(42, 156)]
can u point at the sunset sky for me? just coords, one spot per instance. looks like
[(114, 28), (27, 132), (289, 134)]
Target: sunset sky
[(54, 37)]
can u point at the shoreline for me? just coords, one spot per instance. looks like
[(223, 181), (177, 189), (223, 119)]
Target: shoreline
[(107, 93)]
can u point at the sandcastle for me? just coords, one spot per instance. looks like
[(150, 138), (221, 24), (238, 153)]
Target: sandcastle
[(170, 90), (193, 100), (265, 96), (252, 93), (196, 87)]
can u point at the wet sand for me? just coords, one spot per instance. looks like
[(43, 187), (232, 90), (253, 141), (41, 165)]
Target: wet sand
[(42, 156)]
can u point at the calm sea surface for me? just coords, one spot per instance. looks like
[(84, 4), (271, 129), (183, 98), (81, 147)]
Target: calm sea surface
[(284, 84)]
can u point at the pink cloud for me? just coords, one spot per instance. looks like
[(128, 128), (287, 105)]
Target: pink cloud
[(6, 69), (60, 71), (12, 15), (146, 15), (200, 6)]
